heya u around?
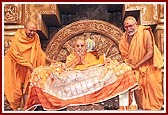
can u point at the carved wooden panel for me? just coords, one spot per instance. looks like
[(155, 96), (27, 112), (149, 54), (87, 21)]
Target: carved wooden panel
[(34, 12), (12, 13), (148, 12), (161, 13), (105, 35), (159, 38), (7, 43)]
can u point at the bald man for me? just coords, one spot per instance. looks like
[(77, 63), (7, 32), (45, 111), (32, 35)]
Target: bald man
[(24, 54), (138, 48), (80, 56)]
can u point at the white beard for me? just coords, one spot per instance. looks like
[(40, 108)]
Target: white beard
[(131, 33)]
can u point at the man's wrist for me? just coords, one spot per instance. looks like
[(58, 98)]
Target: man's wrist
[(76, 62)]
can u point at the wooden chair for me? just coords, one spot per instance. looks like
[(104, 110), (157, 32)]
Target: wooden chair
[(106, 37)]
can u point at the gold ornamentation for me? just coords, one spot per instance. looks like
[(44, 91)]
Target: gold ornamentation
[(103, 33)]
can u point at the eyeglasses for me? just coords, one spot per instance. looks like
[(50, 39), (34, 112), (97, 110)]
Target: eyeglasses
[(129, 26), (80, 45)]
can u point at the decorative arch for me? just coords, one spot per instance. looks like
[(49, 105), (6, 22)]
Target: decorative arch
[(105, 34)]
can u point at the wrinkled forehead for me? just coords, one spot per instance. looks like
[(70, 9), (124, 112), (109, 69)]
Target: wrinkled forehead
[(80, 42), (32, 27), (128, 22)]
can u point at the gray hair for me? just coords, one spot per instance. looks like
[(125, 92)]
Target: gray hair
[(30, 22), (130, 18)]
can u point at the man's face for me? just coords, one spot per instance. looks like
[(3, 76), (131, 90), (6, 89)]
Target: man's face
[(80, 47), (31, 30), (130, 27)]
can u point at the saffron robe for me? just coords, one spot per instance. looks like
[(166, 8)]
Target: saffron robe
[(150, 94), (23, 53), (88, 59)]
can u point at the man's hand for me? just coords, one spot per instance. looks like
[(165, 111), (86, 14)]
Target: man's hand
[(82, 60), (78, 60), (50, 60), (31, 68), (133, 66)]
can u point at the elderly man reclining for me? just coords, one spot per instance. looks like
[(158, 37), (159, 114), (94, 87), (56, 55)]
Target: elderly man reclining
[(83, 79)]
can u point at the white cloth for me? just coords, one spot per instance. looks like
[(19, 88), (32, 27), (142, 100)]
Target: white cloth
[(123, 99)]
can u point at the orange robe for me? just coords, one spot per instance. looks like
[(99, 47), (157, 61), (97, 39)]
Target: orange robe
[(150, 94), (88, 59), (23, 53)]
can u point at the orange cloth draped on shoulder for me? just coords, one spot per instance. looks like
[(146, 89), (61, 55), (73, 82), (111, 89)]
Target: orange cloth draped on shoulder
[(23, 53), (150, 95), (53, 87)]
